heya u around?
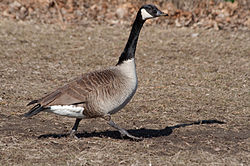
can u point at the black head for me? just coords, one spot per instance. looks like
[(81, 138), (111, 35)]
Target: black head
[(150, 11)]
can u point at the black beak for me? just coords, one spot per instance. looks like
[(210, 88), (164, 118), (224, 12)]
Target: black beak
[(160, 13)]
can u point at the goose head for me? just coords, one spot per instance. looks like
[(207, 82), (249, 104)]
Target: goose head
[(150, 11)]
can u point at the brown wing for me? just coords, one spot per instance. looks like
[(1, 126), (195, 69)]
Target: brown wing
[(77, 90)]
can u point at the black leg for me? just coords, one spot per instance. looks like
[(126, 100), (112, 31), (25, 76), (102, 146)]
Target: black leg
[(74, 129), (121, 130)]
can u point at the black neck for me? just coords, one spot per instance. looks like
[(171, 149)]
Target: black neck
[(129, 50)]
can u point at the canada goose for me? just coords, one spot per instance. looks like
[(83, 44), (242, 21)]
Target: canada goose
[(99, 93)]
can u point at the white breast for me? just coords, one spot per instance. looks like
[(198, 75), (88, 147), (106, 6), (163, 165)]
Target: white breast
[(123, 95), (128, 69)]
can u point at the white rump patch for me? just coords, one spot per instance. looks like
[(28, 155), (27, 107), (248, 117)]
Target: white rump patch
[(67, 110), (145, 15)]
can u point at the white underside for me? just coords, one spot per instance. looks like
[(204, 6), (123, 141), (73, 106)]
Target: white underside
[(67, 110)]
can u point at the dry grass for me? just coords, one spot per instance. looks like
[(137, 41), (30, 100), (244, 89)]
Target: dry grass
[(185, 75)]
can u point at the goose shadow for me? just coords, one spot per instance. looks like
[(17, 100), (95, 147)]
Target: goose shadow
[(142, 132)]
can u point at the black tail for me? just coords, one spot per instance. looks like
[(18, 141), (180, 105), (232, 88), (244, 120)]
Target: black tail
[(35, 110)]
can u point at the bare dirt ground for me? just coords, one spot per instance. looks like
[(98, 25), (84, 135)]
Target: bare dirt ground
[(191, 107)]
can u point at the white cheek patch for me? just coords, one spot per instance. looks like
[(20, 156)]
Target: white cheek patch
[(67, 110), (145, 15)]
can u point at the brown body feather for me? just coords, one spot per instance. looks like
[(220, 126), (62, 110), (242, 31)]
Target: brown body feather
[(101, 92)]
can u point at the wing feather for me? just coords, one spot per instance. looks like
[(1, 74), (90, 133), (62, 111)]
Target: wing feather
[(78, 89)]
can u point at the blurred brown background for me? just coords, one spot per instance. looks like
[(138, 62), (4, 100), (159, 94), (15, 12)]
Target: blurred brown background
[(218, 14)]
